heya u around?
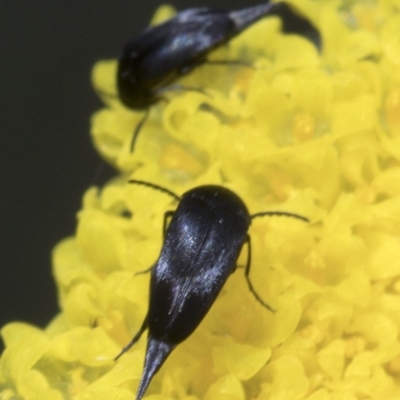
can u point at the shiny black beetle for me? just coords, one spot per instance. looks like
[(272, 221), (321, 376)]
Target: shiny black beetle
[(201, 246), (163, 53)]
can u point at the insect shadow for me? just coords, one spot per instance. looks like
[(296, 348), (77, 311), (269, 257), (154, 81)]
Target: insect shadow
[(201, 247), (151, 63)]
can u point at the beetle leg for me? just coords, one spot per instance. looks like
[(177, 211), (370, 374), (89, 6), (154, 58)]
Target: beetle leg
[(196, 89), (180, 88), (191, 65), (247, 276), (167, 214), (138, 128), (238, 63), (145, 271), (134, 340)]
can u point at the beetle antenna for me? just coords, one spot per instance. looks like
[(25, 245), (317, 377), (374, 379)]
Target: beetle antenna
[(279, 214), (154, 186)]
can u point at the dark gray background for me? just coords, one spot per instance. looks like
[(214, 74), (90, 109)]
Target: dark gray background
[(47, 49)]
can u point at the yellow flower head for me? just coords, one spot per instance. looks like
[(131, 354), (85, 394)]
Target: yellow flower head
[(302, 132)]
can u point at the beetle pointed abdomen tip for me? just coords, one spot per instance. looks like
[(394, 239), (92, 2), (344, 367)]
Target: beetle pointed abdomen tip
[(156, 353)]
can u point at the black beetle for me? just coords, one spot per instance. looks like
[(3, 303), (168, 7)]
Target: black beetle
[(163, 53), (201, 246)]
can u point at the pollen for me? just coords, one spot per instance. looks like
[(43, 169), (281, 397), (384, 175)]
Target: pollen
[(303, 128)]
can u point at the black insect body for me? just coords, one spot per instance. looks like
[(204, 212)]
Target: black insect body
[(163, 53), (201, 246)]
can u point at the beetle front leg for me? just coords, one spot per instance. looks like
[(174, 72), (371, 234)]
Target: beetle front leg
[(247, 276), (138, 128), (167, 214), (238, 63)]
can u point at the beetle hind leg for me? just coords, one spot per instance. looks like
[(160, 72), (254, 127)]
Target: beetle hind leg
[(134, 340)]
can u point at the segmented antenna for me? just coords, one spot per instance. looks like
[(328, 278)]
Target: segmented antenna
[(279, 214), (154, 186)]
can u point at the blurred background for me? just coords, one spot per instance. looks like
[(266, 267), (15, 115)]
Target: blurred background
[(47, 50)]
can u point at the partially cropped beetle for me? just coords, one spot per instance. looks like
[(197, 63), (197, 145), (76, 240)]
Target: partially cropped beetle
[(201, 246), (163, 53)]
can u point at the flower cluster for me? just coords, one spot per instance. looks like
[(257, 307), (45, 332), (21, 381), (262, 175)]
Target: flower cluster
[(303, 132)]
